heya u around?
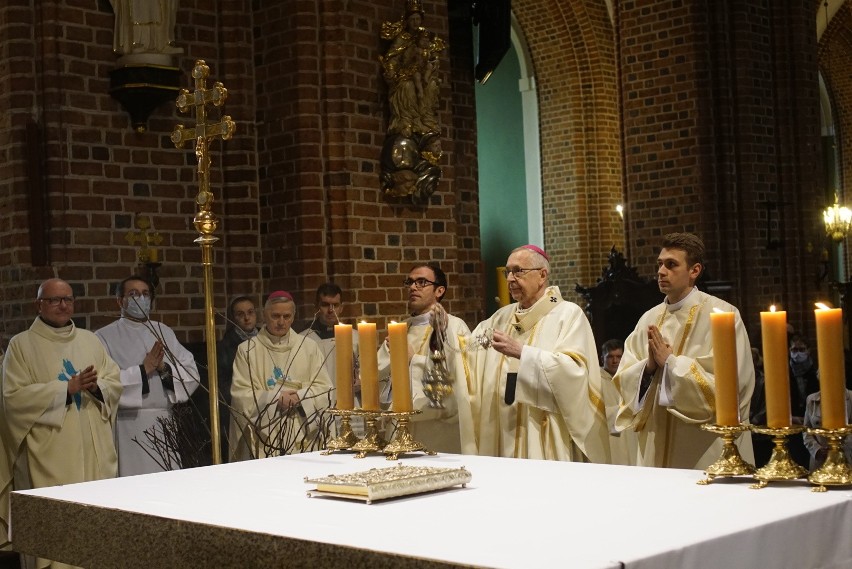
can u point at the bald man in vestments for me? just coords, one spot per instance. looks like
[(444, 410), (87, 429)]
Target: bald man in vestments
[(666, 379), (537, 380), (430, 328), (60, 393)]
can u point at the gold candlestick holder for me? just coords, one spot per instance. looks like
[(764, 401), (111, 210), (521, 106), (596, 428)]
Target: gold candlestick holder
[(346, 438), (835, 471), (730, 463), (780, 465), (373, 440), (402, 441)]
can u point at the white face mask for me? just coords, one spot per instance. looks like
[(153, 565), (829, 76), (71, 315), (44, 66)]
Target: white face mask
[(138, 307), (799, 357)]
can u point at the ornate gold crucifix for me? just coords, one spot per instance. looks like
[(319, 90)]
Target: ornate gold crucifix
[(205, 221)]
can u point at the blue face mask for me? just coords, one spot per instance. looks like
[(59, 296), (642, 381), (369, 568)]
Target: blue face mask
[(138, 307), (798, 357)]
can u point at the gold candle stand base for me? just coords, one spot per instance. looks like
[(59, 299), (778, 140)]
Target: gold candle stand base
[(402, 441), (373, 440), (730, 463), (780, 465), (835, 471), (346, 439)]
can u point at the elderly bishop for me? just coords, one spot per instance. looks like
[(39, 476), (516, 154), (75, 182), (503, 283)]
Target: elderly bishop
[(537, 382)]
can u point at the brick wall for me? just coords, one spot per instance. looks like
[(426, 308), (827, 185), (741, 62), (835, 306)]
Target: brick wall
[(572, 48), (296, 190), (698, 116), (721, 130)]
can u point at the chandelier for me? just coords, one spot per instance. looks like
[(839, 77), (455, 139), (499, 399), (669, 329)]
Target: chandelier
[(838, 221)]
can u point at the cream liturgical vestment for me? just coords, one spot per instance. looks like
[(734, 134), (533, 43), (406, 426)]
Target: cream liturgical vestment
[(442, 430), (681, 395), (50, 438), (556, 411), (265, 365), (145, 399)]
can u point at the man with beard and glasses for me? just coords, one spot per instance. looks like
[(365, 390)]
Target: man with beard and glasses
[(430, 330)]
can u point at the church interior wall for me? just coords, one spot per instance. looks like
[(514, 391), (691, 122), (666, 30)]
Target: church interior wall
[(695, 116)]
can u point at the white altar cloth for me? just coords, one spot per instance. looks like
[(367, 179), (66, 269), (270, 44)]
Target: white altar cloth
[(514, 513)]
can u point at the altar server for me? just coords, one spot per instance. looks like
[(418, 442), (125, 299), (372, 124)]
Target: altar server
[(665, 379), (156, 371), (537, 380)]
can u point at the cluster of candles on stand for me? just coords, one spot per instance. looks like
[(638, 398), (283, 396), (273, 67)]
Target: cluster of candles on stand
[(370, 409), (369, 366), (829, 327)]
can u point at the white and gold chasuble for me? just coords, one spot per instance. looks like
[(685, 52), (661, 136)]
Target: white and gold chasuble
[(558, 411)]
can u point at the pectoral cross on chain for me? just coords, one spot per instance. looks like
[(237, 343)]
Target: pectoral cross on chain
[(203, 132)]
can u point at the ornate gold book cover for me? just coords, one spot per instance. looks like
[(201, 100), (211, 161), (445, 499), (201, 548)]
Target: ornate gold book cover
[(391, 482)]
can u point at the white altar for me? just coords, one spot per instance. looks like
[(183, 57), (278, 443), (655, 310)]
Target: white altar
[(514, 513)]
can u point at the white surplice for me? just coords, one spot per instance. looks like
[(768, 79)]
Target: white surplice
[(127, 342)]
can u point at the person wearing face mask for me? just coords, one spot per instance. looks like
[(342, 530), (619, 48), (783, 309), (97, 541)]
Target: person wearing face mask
[(804, 379), (156, 372)]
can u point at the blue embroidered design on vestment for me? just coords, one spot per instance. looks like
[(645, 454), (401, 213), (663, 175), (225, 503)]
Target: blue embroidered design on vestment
[(65, 375), (278, 376)]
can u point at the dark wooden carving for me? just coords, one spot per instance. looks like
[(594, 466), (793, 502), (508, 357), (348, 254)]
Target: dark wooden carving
[(620, 297)]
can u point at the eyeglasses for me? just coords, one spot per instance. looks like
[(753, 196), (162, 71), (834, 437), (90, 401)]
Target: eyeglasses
[(518, 272), (57, 300), (137, 294), (418, 283)]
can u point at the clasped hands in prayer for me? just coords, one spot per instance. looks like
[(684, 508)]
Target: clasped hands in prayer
[(658, 350), (288, 399), (86, 380), (154, 359)]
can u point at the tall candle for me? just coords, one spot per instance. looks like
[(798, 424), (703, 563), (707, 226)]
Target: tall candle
[(775, 368), (400, 382), (832, 384), (503, 287), (369, 366), (343, 366), (725, 368)]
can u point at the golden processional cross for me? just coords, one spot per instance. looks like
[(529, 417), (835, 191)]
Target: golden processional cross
[(205, 221)]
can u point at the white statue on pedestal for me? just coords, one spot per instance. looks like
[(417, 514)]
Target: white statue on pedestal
[(145, 27)]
